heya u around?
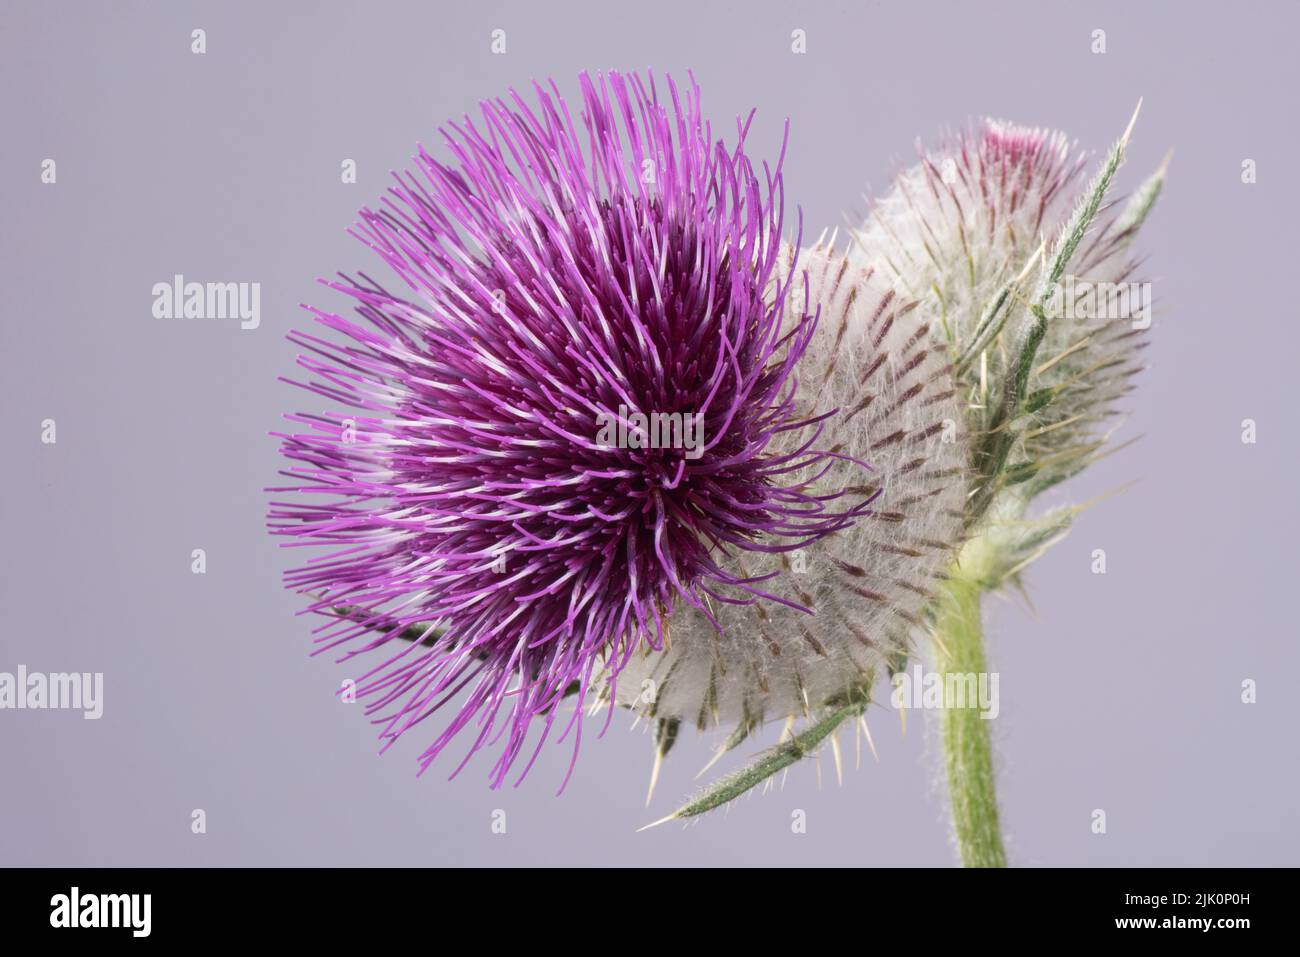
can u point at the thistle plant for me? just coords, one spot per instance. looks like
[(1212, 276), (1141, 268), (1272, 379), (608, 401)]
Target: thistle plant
[(872, 420), (461, 486), (1024, 275), (1033, 285)]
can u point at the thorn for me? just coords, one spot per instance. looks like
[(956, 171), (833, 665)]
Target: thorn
[(1124, 487), (1081, 344), (1163, 168), (839, 760), (654, 776), (787, 731), (1029, 264), (1062, 424), (862, 719), (662, 820), (717, 756), (1112, 449), (1018, 584), (1123, 140), (1038, 553)]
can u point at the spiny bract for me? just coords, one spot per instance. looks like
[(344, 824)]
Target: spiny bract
[(975, 220)]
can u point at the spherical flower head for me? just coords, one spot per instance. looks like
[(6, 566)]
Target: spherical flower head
[(960, 223), (960, 226), (876, 366), (574, 399)]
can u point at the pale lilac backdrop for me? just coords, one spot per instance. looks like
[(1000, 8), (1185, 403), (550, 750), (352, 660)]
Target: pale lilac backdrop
[(1122, 692)]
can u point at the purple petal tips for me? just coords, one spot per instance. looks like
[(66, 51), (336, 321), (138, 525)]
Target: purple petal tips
[(494, 460)]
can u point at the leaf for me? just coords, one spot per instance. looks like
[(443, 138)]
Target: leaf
[(768, 763)]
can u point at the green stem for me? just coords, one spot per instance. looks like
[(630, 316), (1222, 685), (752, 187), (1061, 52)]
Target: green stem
[(968, 751)]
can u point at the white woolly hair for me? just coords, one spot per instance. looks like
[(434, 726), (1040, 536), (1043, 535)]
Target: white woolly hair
[(866, 586), (966, 220), (960, 223)]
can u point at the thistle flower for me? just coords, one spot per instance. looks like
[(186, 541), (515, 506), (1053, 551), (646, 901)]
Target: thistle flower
[(465, 488), (987, 230), (983, 232), (983, 226), (874, 362)]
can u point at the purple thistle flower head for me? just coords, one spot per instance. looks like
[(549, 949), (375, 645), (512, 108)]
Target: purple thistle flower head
[(547, 299)]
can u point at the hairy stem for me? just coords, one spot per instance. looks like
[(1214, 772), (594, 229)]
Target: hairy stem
[(968, 751)]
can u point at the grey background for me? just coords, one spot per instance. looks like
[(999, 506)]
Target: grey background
[(1123, 692)]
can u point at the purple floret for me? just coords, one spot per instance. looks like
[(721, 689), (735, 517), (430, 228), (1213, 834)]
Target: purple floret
[(460, 482)]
